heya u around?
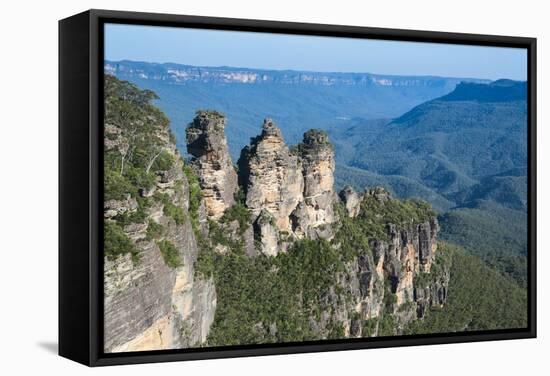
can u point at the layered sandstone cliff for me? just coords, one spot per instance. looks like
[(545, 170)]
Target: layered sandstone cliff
[(392, 277), (149, 303), (153, 298)]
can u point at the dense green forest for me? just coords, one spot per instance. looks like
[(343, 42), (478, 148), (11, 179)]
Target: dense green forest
[(277, 296), (495, 233), (466, 154), (480, 298)]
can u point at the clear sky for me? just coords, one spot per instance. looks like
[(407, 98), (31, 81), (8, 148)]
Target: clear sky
[(323, 54)]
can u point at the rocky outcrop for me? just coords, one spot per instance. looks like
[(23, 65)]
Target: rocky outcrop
[(407, 258), (271, 176), (315, 214), (393, 276), (294, 186), (432, 293), (373, 262), (112, 208), (267, 233), (206, 142), (380, 194), (351, 201), (427, 239)]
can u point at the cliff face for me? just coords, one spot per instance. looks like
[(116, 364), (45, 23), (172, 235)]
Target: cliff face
[(153, 298), (182, 74), (207, 143), (390, 279), (289, 192)]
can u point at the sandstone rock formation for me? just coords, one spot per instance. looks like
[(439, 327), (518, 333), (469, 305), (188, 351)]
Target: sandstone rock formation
[(154, 298), (268, 234), (271, 176), (149, 303), (391, 277), (315, 213), (351, 201), (295, 186), (206, 142)]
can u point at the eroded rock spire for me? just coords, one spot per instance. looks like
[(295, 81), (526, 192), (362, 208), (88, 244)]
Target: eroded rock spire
[(206, 142), (314, 215)]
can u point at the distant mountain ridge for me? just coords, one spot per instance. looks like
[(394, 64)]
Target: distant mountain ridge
[(296, 100), (466, 153), (448, 144), (497, 91), (180, 74)]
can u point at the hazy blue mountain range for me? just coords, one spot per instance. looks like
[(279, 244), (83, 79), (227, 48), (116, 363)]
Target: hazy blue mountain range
[(460, 144), (296, 100), (466, 153), (448, 145)]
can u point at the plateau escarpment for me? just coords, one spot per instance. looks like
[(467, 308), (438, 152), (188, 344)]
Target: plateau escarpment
[(389, 247)]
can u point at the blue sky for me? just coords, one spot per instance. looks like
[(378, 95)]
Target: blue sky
[(324, 54)]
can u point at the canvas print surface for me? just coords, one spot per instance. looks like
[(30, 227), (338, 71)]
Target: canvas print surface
[(269, 188)]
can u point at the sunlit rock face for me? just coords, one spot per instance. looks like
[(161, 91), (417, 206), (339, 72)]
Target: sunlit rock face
[(315, 214), (351, 201), (294, 185), (206, 142), (149, 304), (271, 175)]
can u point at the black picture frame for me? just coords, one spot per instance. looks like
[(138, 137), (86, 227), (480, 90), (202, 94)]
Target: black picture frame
[(80, 185)]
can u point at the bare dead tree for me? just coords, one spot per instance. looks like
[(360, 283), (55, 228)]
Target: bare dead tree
[(150, 164)]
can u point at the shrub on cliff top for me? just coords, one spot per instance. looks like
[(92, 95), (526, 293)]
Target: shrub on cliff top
[(397, 212), (211, 114), (116, 186)]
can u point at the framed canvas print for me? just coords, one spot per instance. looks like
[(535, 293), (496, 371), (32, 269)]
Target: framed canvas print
[(239, 187)]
